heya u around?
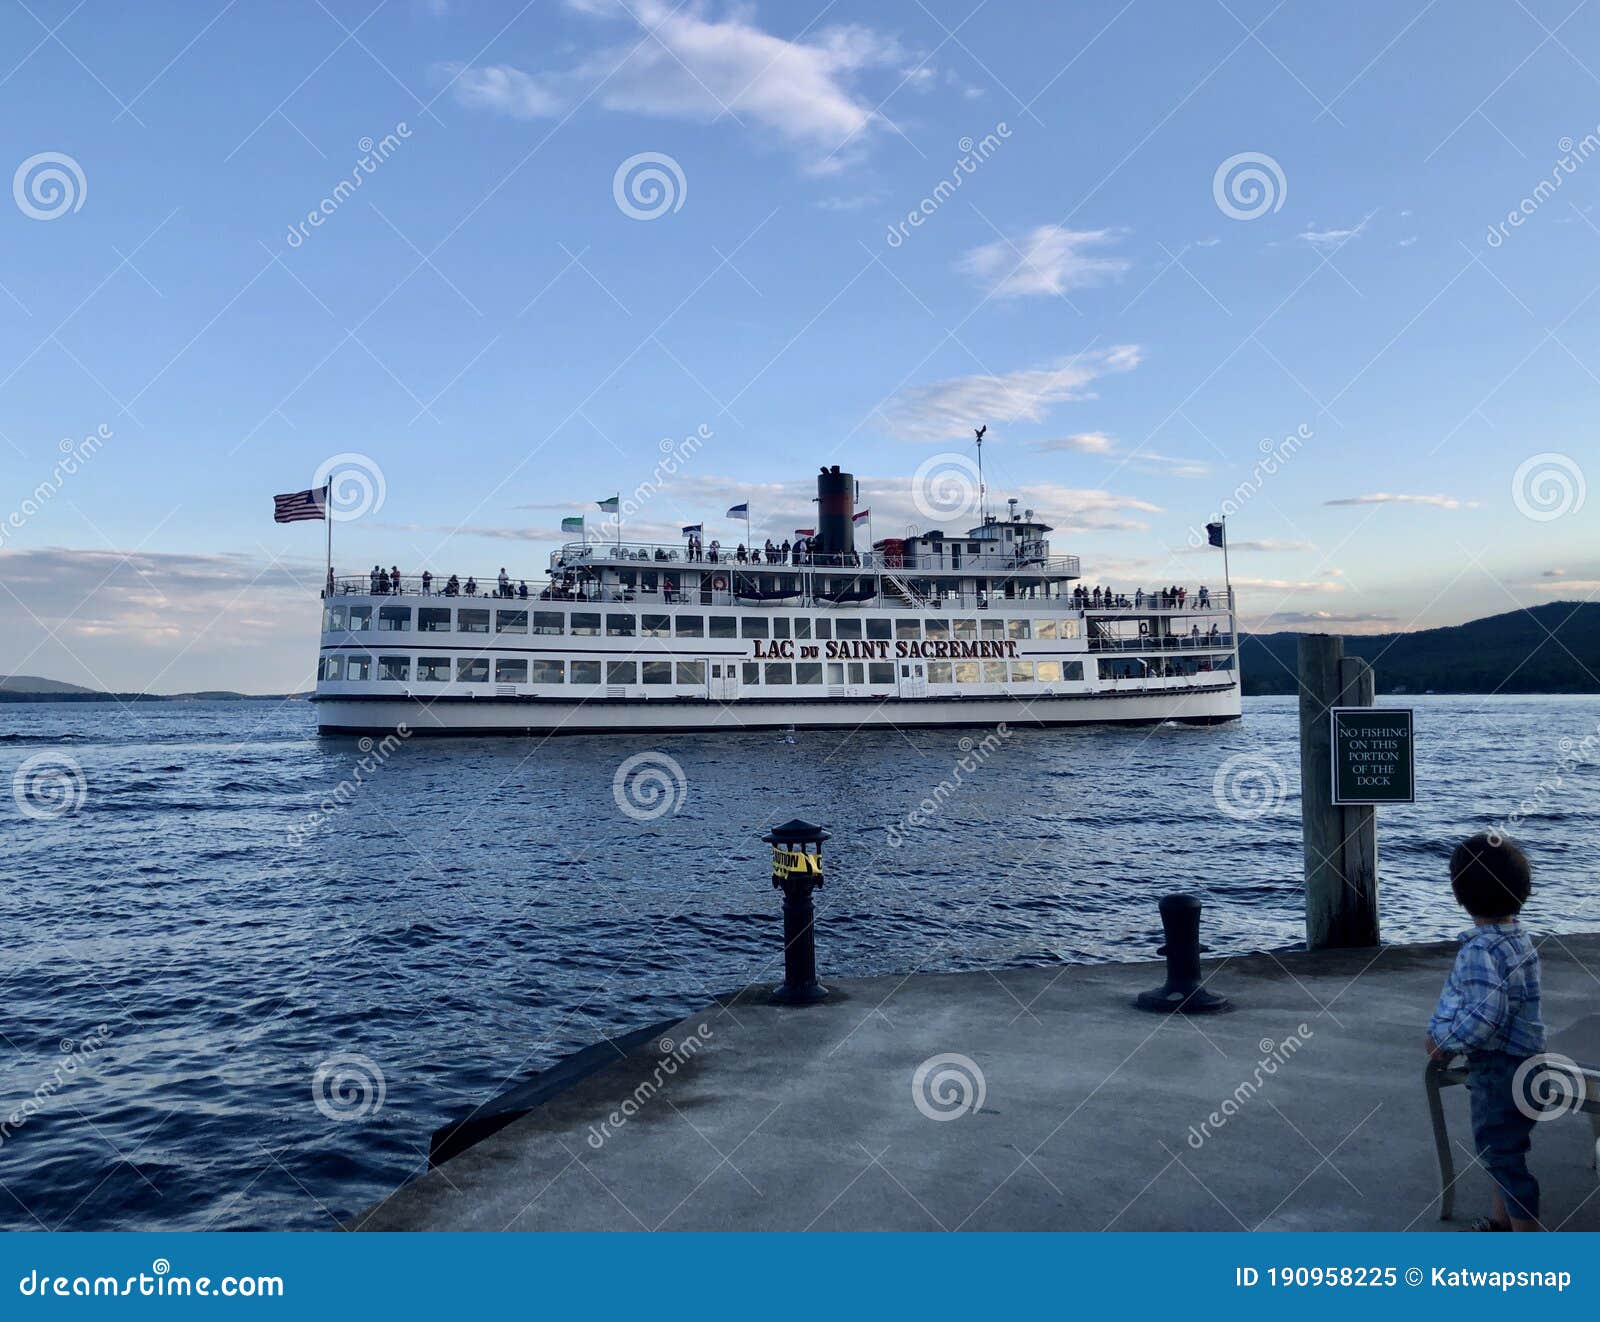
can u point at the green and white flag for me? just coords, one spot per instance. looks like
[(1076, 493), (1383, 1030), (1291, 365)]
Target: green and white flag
[(572, 525), (611, 504)]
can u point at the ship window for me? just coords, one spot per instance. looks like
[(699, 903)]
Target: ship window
[(358, 667), (966, 628), (824, 629), (332, 667), (966, 672), (333, 618), (938, 629), (394, 667), (469, 621), (622, 672), (724, 626), (433, 669), (1044, 628), (472, 669), (1049, 672), (908, 628), (585, 672), (850, 629), (1022, 671), (619, 626), (585, 623), (994, 672), (991, 627), (511, 670), (808, 672), (1070, 669), (779, 672), (939, 672), (511, 621), (360, 619), (655, 626), (1069, 629), (691, 672), (657, 672), (431, 619), (880, 629), (858, 673), (880, 672), (548, 622), (802, 626), (752, 673), (753, 628), (394, 619), (836, 672), (548, 672), (1017, 629), (780, 626), (691, 626)]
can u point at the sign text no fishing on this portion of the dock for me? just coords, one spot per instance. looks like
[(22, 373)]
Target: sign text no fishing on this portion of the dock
[(1373, 755)]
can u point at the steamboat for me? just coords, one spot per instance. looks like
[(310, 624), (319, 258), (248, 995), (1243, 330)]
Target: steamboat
[(939, 629)]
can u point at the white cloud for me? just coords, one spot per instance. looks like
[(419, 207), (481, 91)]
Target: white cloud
[(690, 65), (947, 410), (1098, 443), (1392, 498), (1084, 442), (1289, 584), (1406, 243), (1333, 238), (1281, 619), (1047, 260)]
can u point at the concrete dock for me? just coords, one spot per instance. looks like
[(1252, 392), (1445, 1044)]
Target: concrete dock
[(1055, 1106)]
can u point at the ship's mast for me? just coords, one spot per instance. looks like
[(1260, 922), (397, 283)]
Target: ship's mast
[(983, 507)]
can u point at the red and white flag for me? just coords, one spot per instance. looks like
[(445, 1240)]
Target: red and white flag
[(861, 516), (299, 505)]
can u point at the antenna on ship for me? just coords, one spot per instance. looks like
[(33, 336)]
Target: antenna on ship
[(983, 509)]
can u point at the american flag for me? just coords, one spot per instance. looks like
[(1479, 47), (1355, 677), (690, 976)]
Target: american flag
[(299, 505)]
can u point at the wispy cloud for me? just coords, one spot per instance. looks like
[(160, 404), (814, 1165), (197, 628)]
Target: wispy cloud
[(1333, 238), (1292, 618), (1047, 260), (947, 410), (694, 66), (1393, 498), (1083, 442)]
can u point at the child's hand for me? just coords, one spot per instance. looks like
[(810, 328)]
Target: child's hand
[(1435, 1052)]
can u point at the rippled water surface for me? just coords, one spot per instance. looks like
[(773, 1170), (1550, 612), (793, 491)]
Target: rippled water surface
[(186, 949)]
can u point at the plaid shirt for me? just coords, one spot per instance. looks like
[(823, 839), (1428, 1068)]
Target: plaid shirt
[(1490, 1001)]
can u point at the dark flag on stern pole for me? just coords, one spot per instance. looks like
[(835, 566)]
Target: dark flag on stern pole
[(1216, 534), (298, 506)]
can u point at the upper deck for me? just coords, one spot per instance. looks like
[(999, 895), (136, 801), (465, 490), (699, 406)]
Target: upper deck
[(966, 557)]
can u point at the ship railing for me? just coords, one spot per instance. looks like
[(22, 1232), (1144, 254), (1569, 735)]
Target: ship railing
[(639, 554), (1164, 643)]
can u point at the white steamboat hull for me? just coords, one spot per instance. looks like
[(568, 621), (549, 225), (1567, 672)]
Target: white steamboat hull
[(344, 714)]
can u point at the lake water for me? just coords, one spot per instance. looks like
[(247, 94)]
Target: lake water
[(189, 946)]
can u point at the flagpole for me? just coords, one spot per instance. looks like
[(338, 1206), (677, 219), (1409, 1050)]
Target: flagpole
[(327, 515)]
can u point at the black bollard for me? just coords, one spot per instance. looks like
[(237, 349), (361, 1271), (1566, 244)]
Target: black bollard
[(1180, 924), (797, 872)]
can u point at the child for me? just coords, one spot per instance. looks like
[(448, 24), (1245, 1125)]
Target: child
[(1490, 1010)]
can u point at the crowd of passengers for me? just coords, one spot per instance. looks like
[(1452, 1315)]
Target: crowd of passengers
[(1166, 598)]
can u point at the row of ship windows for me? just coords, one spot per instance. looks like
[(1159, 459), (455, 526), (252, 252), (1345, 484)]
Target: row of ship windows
[(518, 670), (628, 624)]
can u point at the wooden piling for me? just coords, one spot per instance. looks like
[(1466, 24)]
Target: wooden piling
[(1341, 843)]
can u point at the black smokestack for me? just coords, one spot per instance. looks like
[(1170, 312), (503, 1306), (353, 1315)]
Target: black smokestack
[(836, 508)]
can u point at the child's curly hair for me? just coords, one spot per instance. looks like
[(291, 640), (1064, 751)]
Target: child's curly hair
[(1490, 876)]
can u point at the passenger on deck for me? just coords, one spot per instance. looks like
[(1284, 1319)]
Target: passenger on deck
[(783, 552), (329, 592), (740, 555), (1204, 598), (452, 587), (427, 582), (373, 585), (1138, 598), (472, 586), (383, 582), (716, 550), (522, 589), (504, 583), (394, 579)]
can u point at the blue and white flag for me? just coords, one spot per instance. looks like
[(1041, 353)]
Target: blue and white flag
[(739, 512), (691, 528)]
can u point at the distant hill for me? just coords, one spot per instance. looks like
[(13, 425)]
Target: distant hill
[(1554, 648), (35, 688), (38, 684)]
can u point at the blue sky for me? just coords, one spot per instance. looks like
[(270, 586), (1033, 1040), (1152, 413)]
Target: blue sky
[(484, 323)]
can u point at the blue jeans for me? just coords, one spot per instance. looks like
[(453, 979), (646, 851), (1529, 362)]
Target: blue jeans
[(1503, 1117)]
